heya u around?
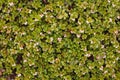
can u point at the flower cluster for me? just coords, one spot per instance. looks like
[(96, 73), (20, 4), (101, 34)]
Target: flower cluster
[(59, 40)]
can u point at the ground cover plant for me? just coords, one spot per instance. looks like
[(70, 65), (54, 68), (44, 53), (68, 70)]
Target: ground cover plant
[(59, 39)]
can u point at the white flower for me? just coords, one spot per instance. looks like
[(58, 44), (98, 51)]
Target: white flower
[(78, 35), (117, 58), (113, 5), (37, 50), (31, 64), (36, 44), (65, 35), (117, 46), (35, 73), (102, 46), (51, 16), (14, 64), (85, 49), (98, 57), (60, 6), (105, 72), (28, 54), (41, 15), (87, 22), (51, 39), (73, 19), (4, 27), (80, 64), (113, 76), (110, 19), (108, 65), (116, 31), (30, 11), (113, 62), (118, 17), (23, 33), (31, 40), (109, 1), (90, 67), (59, 39), (41, 34), (45, 13), (81, 31), (79, 22), (19, 9), (11, 4), (91, 42), (87, 55), (21, 47), (71, 32), (101, 68), (19, 75), (25, 61), (118, 51), (10, 39), (49, 32), (32, 29), (8, 11), (83, 73), (36, 20), (104, 56), (25, 23), (94, 33), (92, 11)]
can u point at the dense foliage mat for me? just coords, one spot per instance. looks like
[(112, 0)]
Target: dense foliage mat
[(60, 39)]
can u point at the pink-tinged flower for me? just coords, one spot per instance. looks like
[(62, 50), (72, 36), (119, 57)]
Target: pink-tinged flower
[(23, 33), (59, 39), (4, 27), (104, 56), (71, 31), (19, 9), (88, 55), (21, 47), (102, 46), (49, 32), (118, 17), (65, 35), (41, 15)]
